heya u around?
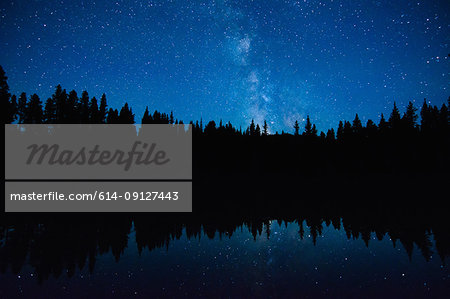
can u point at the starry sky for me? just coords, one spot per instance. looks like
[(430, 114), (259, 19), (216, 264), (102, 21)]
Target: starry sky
[(233, 60)]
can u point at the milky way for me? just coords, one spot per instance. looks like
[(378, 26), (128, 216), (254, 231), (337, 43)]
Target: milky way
[(233, 60)]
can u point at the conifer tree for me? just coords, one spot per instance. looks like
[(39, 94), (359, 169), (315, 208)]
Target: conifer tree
[(296, 128), (410, 117), (8, 106), (314, 130), (50, 111), (357, 125), (146, 118), (348, 130), (308, 127), (60, 100), (265, 128), (330, 135), (71, 113), (394, 119), (252, 128), (94, 113), (383, 125), (103, 109), (258, 130), (34, 114), (126, 115), (340, 131), (22, 107), (83, 108), (12, 109), (113, 116)]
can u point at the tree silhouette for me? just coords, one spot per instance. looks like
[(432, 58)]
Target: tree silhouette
[(210, 128), (383, 125), (371, 129), (409, 119), (83, 108), (257, 130), (330, 137), (35, 115), (60, 99), (126, 115), (296, 128), (146, 119), (94, 113), (314, 131), (22, 107), (357, 125), (9, 106), (71, 112), (348, 131), (265, 129), (308, 127), (340, 131), (102, 109), (113, 116), (443, 119), (50, 111), (394, 119), (252, 128), (12, 109)]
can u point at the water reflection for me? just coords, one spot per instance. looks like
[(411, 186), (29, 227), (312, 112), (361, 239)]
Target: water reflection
[(351, 254)]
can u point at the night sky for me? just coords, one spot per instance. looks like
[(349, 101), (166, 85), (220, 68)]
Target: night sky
[(235, 60)]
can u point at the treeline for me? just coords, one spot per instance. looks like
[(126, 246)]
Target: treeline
[(69, 108)]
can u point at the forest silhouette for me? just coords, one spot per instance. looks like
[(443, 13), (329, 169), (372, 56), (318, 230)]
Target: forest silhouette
[(398, 144)]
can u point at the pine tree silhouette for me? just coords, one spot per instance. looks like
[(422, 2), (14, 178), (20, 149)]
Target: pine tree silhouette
[(113, 116), (357, 125), (126, 115), (22, 107), (9, 107), (308, 127), (50, 111), (71, 112), (394, 119), (265, 129), (340, 131), (94, 113), (383, 125), (102, 109), (296, 128), (35, 115), (60, 99), (410, 117), (83, 108), (330, 137)]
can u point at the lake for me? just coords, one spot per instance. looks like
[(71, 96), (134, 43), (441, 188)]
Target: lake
[(249, 258)]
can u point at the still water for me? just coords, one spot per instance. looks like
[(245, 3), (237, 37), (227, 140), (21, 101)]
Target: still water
[(278, 261)]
